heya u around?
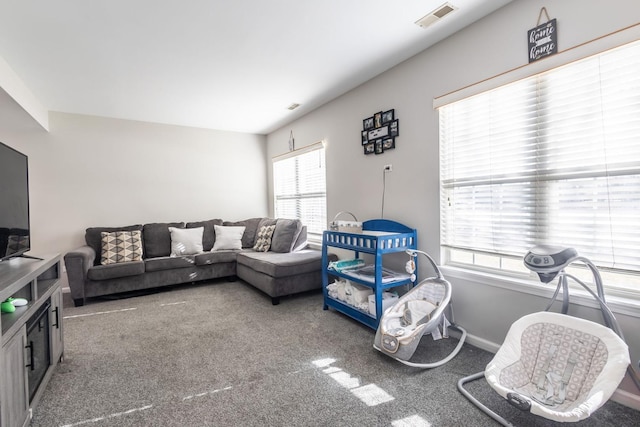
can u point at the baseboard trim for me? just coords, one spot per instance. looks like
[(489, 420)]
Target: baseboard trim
[(482, 343), (622, 397), (627, 399)]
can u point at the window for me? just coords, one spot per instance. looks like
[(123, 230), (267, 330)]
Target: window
[(300, 189), (553, 158)]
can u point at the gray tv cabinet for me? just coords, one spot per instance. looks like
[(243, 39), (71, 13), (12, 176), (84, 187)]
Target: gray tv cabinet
[(38, 281)]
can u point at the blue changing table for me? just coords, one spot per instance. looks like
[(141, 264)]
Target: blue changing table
[(379, 237)]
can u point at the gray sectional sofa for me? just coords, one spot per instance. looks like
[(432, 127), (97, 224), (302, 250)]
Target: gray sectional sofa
[(153, 256)]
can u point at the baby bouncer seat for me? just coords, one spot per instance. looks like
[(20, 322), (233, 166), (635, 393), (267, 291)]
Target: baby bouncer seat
[(553, 365), (421, 311)]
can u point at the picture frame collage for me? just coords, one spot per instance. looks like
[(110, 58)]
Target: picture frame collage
[(379, 132)]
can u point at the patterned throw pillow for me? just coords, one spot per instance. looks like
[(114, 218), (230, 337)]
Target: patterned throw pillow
[(121, 246), (263, 238)]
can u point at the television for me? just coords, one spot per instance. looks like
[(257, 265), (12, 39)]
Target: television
[(15, 236)]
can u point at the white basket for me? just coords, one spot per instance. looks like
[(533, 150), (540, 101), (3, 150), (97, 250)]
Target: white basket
[(345, 226)]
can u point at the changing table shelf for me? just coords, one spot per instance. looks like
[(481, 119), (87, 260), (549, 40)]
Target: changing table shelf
[(379, 237)]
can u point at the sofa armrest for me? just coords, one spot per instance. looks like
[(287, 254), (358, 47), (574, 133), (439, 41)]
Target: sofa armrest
[(78, 262)]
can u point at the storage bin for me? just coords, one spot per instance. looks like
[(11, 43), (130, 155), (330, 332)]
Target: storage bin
[(388, 299)]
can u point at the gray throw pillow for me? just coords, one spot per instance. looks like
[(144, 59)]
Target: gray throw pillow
[(285, 235)]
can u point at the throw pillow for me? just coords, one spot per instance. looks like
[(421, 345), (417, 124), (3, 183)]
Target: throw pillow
[(186, 241), (263, 238), (93, 237), (228, 237), (121, 246), (285, 235)]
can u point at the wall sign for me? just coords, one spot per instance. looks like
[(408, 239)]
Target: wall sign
[(379, 132), (543, 39)]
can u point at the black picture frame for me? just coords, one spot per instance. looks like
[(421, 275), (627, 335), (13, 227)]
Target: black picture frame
[(388, 116), (388, 143), (379, 132), (394, 128), (368, 123), (379, 149), (369, 148), (377, 119)]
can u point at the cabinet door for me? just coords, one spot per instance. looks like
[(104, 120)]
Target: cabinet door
[(55, 320), (15, 399)]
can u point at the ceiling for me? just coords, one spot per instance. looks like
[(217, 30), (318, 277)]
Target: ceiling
[(221, 64)]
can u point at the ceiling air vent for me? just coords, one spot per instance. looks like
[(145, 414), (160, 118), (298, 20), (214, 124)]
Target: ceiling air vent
[(435, 15), (293, 106)]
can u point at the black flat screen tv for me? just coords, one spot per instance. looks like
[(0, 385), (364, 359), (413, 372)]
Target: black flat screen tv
[(15, 236)]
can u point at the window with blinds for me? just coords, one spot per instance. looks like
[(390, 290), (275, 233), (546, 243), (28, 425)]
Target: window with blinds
[(300, 190), (554, 158)]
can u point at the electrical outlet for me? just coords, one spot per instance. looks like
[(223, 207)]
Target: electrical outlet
[(388, 168)]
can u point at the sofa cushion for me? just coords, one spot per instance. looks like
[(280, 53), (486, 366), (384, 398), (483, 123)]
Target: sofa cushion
[(157, 239), (285, 234), (121, 246), (228, 237), (263, 238), (282, 265), (186, 241), (207, 258), (94, 239), (209, 235), (169, 262), (249, 236), (114, 271)]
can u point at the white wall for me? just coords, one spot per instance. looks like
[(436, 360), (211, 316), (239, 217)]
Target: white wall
[(89, 171), (489, 47)]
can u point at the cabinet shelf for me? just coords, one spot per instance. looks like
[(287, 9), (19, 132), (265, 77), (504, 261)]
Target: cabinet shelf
[(379, 237), (38, 281), (371, 283)]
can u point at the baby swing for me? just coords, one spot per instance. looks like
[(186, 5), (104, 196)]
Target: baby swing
[(554, 365), (420, 311)]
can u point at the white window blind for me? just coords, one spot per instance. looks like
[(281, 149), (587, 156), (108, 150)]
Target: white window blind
[(300, 191), (554, 158)]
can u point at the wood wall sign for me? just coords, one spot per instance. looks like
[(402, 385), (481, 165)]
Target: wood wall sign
[(543, 39)]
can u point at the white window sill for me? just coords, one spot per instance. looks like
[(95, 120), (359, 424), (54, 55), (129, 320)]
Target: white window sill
[(617, 304)]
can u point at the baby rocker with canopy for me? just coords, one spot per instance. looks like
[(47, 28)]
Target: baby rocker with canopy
[(554, 365), (420, 311)]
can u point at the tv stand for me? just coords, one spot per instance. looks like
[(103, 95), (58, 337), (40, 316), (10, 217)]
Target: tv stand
[(30, 257), (38, 281)]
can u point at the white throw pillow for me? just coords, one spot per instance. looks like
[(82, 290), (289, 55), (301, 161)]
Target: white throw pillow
[(228, 237), (186, 241)]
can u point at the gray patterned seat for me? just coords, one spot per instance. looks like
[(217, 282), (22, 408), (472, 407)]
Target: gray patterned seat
[(565, 367)]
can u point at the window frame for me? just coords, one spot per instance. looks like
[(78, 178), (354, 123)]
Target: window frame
[(320, 223), (516, 274)]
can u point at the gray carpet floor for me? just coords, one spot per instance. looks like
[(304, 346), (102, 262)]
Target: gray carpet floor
[(219, 354)]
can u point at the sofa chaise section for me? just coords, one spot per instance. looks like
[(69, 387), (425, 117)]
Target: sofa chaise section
[(282, 274)]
